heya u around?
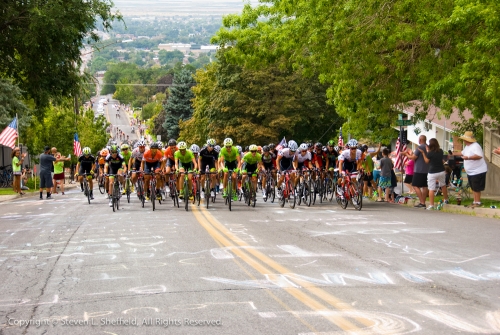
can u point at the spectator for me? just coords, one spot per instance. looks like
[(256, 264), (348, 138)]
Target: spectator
[(24, 178), (410, 164), (474, 165), (419, 181), (46, 166), (17, 163), (436, 177), (385, 182), (368, 166), (59, 172)]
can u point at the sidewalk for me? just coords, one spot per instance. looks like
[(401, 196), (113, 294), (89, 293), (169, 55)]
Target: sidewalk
[(4, 198), (459, 209)]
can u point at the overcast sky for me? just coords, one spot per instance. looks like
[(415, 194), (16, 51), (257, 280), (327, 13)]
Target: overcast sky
[(179, 7)]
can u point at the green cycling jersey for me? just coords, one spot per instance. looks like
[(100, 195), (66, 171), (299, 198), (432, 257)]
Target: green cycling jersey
[(186, 158), (251, 159), (229, 156)]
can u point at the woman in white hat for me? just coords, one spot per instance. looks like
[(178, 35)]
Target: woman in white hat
[(475, 166)]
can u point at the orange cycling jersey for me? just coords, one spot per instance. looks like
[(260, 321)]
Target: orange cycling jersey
[(169, 153), (148, 156)]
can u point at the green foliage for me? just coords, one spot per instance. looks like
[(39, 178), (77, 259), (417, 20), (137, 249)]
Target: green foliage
[(377, 56), (170, 57), (258, 106), (11, 104), (40, 43), (178, 105)]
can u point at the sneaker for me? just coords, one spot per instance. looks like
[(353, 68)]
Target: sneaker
[(49, 197), (158, 195), (202, 195), (124, 191), (212, 194), (264, 195), (181, 194), (147, 198), (419, 206), (430, 208), (235, 197), (224, 194), (91, 196), (110, 202)]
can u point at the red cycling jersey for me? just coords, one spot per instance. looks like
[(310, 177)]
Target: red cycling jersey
[(150, 159)]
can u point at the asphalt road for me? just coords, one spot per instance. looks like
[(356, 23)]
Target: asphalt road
[(122, 122), (73, 267)]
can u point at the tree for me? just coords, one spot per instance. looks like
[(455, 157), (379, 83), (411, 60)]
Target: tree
[(170, 57), (40, 43), (258, 106), (378, 56), (11, 104), (178, 105)]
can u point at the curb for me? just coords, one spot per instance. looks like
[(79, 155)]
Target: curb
[(4, 198), (456, 209)]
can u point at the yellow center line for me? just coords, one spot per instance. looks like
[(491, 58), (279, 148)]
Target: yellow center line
[(213, 227)]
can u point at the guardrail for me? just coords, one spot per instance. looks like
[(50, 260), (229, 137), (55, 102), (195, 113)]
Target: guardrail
[(491, 141)]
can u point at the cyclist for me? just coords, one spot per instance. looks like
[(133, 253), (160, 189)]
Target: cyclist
[(269, 162), (169, 155), (127, 156), (208, 156), (135, 161), (229, 159), (252, 161), (151, 162), (284, 161), (184, 160), (115, 164), (86, 164), (368, 167), (350, 160), (195, 149), (331, 157)]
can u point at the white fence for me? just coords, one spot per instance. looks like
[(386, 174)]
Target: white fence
[(491, 141)]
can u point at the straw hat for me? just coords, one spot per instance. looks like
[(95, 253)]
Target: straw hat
[(468, 136)]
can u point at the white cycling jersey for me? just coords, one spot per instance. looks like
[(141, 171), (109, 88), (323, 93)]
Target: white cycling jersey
[(346, 155), (302, 158), (285, 153)]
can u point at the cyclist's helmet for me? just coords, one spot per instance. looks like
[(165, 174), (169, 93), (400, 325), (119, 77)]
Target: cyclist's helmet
[(172, 142), (266, 148), (141, 143), (292, 145), (154, 145), (324, 148), (337, 148), (124, 146), (364, 147), (194, 148), (253, 147), (271, 146), (182, 145), (331, 143), (303, 147), (104, 152), (160, 144), (240, 149), (352, 143), (247, 148), (228, 142), (86, 151), (114, 148), (211, 142), (113, 143), (318, 145), (217, 148)]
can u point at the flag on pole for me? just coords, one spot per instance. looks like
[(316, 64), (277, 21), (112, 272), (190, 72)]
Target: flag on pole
[(401, 147), (341, 140), (77, 149), (282, 144), (9, 135)]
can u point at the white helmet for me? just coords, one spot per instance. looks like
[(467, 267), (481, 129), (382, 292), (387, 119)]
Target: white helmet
[(141, 143), (352, 143), (253, 147), (240, 149), (292, 145), (182, 145), (228, 142), (86, 151), (303, 147), (194, 148)]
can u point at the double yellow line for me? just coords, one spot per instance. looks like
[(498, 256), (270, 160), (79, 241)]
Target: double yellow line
[(261, 262)]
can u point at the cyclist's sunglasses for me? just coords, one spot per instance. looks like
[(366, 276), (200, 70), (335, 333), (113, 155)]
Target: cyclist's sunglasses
[(125, 149), (292, 151), (114, 152), (228, 146), (253, 151)]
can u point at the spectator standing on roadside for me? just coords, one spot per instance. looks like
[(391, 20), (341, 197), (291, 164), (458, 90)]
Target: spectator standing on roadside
[(436, 178), (17, 163), (46, 166), (420, 170), (385, 183), (409, 166), (59, 172), (475, 166)]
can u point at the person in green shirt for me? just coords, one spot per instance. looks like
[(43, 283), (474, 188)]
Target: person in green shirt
[(59, 172), (184, 160), (368, 167), (127, 156), (252, 161), (17, 163), (229, 159)]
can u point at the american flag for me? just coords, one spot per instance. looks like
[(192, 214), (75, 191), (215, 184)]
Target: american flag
[(9, 135), (281, 145), (401, 160), (77, 149), (341, 140)]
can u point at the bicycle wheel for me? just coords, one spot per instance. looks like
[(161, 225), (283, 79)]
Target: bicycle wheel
[(198, 192), (357, 197), (114, 204), (272, 190), (140, 192), (229, 193), (314, 190), (102, 185), (291, 194), (174, 194), (186, 194), (253, 197), (308, 193), (330, 189), (299, 190), (344, 201), (127, 189), (86, 188), (207, 190), (152, 194)]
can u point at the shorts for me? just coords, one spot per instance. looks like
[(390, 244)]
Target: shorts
[(419, 180), (269, 166), (285, 164), (211, 165), (46, 180), (376, 175), (137, 164), (436, 180), (231, 165), (477, 182), (59, 176), (148, 167), (186, 166), (170, 162), (385, 182), (82, 171), (368, 177), (112, 170), (408, 178), (249, 168)]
